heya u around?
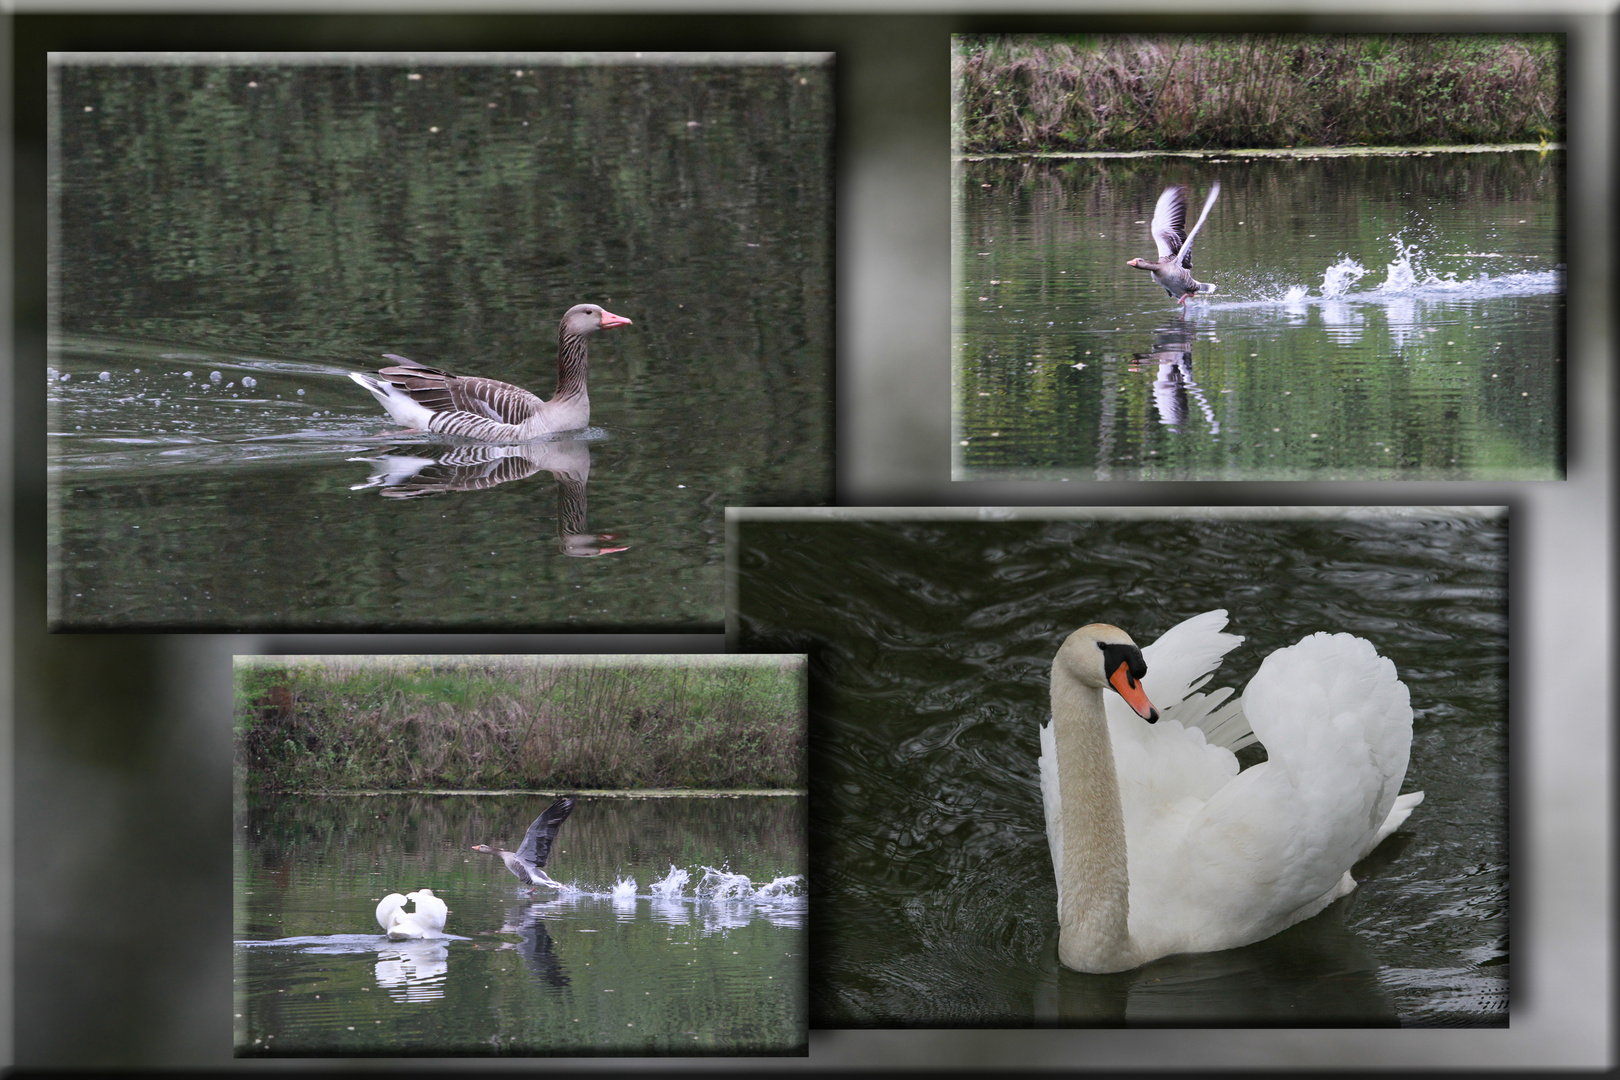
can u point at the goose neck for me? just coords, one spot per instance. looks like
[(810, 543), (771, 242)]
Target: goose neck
[(572, 365)]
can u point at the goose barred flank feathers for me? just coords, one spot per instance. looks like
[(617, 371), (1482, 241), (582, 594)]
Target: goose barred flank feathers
[(424, 398)]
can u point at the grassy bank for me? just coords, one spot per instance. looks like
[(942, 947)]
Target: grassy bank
[(1032, 93), (502, 722)]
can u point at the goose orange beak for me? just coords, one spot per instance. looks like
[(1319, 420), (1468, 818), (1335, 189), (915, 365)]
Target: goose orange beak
[(610, 320)]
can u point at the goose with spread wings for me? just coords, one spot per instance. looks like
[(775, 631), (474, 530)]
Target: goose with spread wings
[(1173, 270), (528, 861)]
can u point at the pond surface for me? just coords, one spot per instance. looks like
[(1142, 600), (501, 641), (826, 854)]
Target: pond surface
[(1394, 318), (931, 641), (681, 929), (229, 242)]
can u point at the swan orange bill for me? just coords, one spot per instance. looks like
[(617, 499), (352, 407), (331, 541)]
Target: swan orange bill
[(1132, 692)]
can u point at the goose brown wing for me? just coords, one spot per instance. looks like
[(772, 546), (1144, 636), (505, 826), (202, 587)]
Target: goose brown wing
[(1187, 243), (537, 842), (1169, 227), (492, 398)]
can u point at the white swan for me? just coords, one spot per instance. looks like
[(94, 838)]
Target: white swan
[(427, 921), (1160, 844)]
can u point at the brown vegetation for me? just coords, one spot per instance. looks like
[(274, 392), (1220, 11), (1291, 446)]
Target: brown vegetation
[(1255, 91), (343, 724)]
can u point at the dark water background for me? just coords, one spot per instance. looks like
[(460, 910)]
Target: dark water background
[(278, 225), (1376, 318), (616, 963), (931, 643)]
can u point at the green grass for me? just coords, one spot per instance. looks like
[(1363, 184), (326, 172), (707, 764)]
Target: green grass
[(1255, 91), (495, 722)]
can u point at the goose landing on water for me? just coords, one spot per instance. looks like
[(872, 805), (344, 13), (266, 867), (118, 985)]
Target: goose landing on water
[(526, 862), (486, 410), (1170, 236), (1160, 844)]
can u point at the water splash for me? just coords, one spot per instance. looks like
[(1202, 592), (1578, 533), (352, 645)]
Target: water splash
[(723, 885), (1340, 276), (673, 886), (1406, 276)]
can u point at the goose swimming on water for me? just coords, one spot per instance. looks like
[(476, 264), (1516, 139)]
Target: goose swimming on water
[(527, 861), (487, 410)]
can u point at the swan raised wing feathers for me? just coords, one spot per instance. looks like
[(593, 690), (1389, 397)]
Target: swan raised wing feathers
[(1172, 849), (427, 921)]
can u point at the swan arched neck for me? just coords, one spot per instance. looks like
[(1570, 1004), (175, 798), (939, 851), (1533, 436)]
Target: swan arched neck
[(1094, 916)]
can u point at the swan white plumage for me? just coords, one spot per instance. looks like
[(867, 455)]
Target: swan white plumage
[(1159, 843), (427, 921)]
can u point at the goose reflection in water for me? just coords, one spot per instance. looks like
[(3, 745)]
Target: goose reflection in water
[(412, 472), (1173, 386), (534, 944)]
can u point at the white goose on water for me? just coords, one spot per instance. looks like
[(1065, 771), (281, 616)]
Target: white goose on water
[(1159, 843), (527, 861), (486, 410)]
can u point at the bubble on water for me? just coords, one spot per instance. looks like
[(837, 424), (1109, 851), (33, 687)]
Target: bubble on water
[(249, 381), (66, 376), (105, 376), (188, 374), (214, 377), (300, 393)]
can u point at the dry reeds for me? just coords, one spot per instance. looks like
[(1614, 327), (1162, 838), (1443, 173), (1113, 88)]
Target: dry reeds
[(1255, 91), (520, 722)]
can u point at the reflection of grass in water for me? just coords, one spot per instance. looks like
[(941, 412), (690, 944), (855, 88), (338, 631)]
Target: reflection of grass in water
[(519, 722), (1170, 92)]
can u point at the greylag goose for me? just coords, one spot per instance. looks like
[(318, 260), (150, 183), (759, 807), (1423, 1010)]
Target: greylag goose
[(1170, 235), (427, 921), (526, 862), (487, 410)]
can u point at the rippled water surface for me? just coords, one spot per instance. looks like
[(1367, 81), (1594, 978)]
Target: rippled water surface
[(1375, 318), (681, 929), (229, 242), (931, 643)]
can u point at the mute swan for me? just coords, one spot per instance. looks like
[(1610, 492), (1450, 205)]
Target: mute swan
[(1173, 271), (427, 921), (487, 410), (531, 855), (1159, 843)]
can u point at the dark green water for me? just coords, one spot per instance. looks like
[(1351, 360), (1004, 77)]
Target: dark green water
[(930, 645), (287, 224), (1376, 318), (669, 964)]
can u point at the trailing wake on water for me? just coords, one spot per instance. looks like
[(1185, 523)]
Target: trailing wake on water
[(1405, 279)]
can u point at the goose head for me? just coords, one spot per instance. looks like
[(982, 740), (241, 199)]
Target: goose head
[(1099, 656), (582, 319)]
